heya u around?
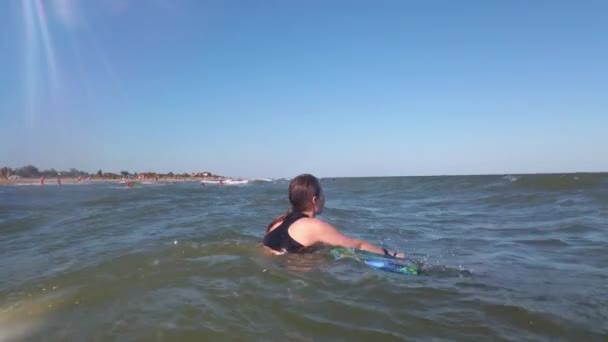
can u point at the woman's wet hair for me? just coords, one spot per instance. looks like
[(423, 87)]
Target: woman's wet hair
[(302, 189)]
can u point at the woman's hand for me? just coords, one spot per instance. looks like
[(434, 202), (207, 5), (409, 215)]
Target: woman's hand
[(393, 254)]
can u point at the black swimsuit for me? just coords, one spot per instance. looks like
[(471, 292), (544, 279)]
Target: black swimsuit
[(279, 239)]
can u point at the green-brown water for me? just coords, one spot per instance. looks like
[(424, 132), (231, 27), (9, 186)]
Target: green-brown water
[(505, 258)]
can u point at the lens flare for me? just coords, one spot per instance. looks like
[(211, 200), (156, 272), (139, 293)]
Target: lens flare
[(48, 43), (30, 56), (43, 58)]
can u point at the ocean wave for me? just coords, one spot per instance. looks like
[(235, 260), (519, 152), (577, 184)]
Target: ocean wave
[(570, 181), (31, 184), (263, 180), (523, 318), (236, 182), (544, 242), (226, 182), (575, 228)]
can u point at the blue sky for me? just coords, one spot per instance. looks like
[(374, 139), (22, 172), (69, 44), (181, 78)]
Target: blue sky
[(277, 88)]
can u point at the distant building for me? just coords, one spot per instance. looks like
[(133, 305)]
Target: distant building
[(201, 174)]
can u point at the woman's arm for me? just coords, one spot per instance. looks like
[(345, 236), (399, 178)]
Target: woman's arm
[(328, 234)]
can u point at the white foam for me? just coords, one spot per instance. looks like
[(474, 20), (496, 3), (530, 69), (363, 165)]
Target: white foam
[(236, 182), (227, 182)]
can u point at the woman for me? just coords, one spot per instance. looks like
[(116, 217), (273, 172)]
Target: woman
[(298, 229)]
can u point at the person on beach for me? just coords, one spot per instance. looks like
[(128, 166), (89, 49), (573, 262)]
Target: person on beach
[(298, 229)]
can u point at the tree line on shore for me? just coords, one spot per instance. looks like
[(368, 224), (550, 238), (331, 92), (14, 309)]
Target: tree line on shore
[(30, 171)]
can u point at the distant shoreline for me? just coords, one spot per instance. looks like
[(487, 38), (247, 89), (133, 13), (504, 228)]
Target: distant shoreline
[(84, 181)]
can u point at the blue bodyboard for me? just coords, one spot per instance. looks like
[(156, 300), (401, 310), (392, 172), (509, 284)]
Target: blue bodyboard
[(381, 262)]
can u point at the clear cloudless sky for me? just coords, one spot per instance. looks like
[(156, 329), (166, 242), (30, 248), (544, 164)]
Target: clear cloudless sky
[(278, 88)]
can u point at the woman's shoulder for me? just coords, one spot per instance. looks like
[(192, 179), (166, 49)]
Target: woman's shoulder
[(312, 222)]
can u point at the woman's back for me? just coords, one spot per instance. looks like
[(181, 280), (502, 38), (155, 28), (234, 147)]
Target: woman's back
[(278, 237)]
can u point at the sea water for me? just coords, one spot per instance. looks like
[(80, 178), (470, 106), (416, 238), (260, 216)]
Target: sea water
[(516, 257)]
